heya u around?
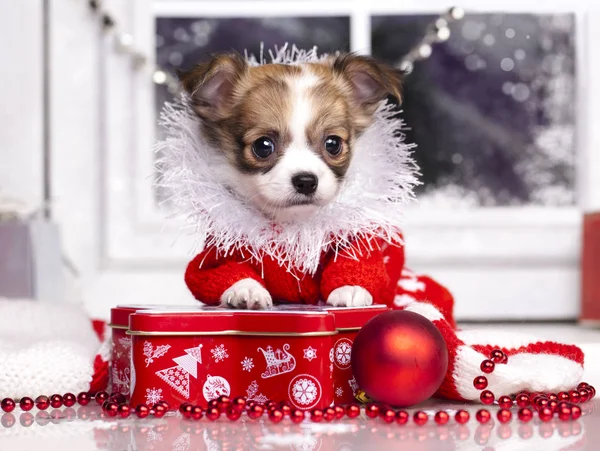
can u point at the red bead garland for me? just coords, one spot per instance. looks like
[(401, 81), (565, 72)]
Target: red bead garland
[(441, 417), (547, 405), (483, 416), (462, 416), (480, 382)]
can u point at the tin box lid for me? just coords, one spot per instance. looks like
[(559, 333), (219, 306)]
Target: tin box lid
[(355, 317), (119, 315), (225, 321), (348, 317)]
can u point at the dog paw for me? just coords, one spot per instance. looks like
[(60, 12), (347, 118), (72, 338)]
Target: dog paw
[(248, 294), (349, 296)]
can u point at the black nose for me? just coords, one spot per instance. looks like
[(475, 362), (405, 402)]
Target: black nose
[(305, 183)]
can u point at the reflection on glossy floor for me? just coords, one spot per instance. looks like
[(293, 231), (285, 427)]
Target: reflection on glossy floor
[(82, 429)]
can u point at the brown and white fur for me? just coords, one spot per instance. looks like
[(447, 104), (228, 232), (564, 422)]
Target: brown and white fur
[(288, 133)]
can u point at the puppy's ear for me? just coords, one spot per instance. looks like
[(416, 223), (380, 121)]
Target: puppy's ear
[(211, 84), (370, 81)]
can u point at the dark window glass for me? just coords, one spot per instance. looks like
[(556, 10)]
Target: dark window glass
[(183, 42), (492, 110)]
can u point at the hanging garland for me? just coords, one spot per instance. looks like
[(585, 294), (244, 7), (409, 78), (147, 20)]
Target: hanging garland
[(437, 31)]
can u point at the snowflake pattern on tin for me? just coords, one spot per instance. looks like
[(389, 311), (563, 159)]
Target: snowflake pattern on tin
[(331, 355), (247, 364), (152, 353), (153, 395), (343, 350), (310, 353), (339, 391), (304, 391), (214, 387), (219, 353)]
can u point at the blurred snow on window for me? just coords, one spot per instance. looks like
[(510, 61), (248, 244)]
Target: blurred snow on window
[(492, 110)]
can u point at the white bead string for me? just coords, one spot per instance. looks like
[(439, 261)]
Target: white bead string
[(437, 31)]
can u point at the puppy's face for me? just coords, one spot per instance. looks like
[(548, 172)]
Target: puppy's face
[(288, 131)]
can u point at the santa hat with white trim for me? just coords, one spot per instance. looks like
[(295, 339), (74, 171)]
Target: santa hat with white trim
[(533, 365)]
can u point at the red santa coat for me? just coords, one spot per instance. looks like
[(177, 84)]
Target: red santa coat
[(381, 271)]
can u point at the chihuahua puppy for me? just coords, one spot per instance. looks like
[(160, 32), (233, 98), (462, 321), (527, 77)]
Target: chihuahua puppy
[(287, 132)]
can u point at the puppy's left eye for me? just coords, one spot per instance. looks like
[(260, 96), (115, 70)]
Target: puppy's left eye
[(333, 145)]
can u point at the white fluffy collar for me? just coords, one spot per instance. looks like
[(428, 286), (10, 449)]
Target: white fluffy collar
[(378, 183)]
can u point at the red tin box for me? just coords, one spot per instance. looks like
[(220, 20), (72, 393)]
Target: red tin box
[(121, 344), (196, 356), (590, 269), (348, 322)]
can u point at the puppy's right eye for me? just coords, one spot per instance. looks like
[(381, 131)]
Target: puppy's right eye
[(263, 147)]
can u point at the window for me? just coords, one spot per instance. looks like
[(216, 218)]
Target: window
[(501, 113)]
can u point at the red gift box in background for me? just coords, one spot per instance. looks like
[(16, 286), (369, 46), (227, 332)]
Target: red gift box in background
[(196, 356), (590, 269)]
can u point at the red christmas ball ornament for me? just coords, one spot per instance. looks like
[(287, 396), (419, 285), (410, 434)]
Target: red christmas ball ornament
[(56, 401), (388, 415), (8, 405), (545, 414), (255, 411), (420, 418), (123, 410), (69, 399), (504, 415), (42, 402), (505, 402), (575, 396), (316, 415), (575, 412), (372, 410), (353, 410), (497, 356), (487, 397), (329, 414), (239, 403), (186, 410), (233, 413), (522, 400), (480, 382), (101, 396), (487, 366), (399, 358), (196, 413), (402, 417), (142, 411), (213, 413), (441, 417), (462, 417), (483, 416), (525, 414), (26, 404), (83, 398), (297, 416)]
